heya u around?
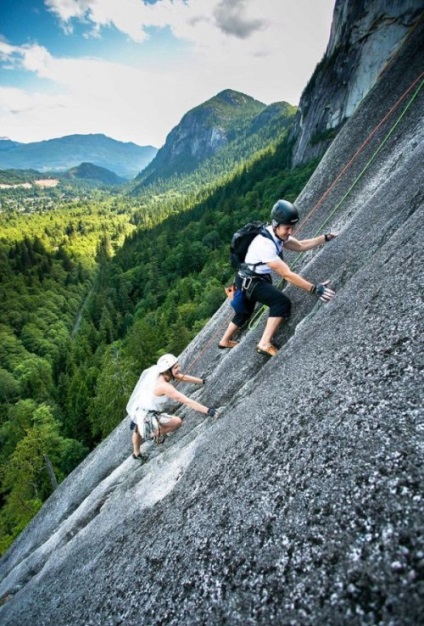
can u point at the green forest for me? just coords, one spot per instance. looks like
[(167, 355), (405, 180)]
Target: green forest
[(94, 286)]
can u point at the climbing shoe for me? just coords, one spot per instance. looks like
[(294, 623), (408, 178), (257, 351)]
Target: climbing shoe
[(231, 344), (270, 351), (140, 457)]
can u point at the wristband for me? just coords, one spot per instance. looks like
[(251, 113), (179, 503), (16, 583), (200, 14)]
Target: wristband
[(203, 381), (211, 412), (328, 237)]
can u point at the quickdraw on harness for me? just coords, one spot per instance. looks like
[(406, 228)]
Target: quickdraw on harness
[(150, 429)]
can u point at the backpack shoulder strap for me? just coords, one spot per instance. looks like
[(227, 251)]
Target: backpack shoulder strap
[(265, 233)]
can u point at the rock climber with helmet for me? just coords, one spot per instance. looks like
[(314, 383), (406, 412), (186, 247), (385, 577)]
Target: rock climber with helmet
[(264, 255), (153, 389)]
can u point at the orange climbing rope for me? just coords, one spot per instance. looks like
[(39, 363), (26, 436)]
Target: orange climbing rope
[(357, 153)]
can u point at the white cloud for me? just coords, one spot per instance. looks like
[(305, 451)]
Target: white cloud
[(264, 48), (6, 50), (27, 116), (201, 22), (9, 55), (35, 59), (91, 96), (131, 17), (68, 9)]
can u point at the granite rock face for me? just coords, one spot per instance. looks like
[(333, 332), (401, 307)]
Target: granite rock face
[(366, 35), (303, 503)]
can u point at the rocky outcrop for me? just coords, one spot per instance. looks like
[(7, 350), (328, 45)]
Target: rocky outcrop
[(197, 134), (202, 132), (302, 504), (365, 36)]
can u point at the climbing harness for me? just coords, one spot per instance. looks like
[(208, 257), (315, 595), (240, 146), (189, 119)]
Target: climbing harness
[(150, 429)]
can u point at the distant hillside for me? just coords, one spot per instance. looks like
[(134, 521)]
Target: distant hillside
[(12, 177), (7, 144), (231, 126), (93, 173), (124, 159), (83, 173)]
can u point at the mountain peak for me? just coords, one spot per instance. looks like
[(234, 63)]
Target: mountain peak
[(90, 172), (203, 131), (234, 98)]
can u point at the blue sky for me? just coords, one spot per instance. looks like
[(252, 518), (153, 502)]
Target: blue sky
[(131, 68)]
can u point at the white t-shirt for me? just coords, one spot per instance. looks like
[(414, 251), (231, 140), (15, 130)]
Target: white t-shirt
[(263, 250)]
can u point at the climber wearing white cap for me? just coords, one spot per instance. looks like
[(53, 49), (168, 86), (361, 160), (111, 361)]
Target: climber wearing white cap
[(152, 391)]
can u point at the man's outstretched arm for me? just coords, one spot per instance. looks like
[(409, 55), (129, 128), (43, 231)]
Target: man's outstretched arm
[(301, 245), (321, 290)]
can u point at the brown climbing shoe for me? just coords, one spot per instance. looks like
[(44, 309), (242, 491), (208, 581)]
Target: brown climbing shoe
[(231, 344), (270, 351)]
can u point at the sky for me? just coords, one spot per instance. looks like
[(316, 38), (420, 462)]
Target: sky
[(131, 69)]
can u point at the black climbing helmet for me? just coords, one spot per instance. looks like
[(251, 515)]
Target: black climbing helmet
[(284, 212)]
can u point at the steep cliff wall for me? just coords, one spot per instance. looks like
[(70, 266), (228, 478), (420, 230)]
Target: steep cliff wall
[(365, 36), (303, 503)]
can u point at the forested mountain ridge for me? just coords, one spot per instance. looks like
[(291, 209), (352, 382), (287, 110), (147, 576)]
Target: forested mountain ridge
[(83, 173), (93, 173), (10, 177), (231, 126), (125, 159), (302, 503), (7, 144)]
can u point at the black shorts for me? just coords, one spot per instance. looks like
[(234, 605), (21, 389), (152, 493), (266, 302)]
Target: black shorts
[(265, 293)]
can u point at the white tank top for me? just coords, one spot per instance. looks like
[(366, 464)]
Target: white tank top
[(143, 398), (157, 403)]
